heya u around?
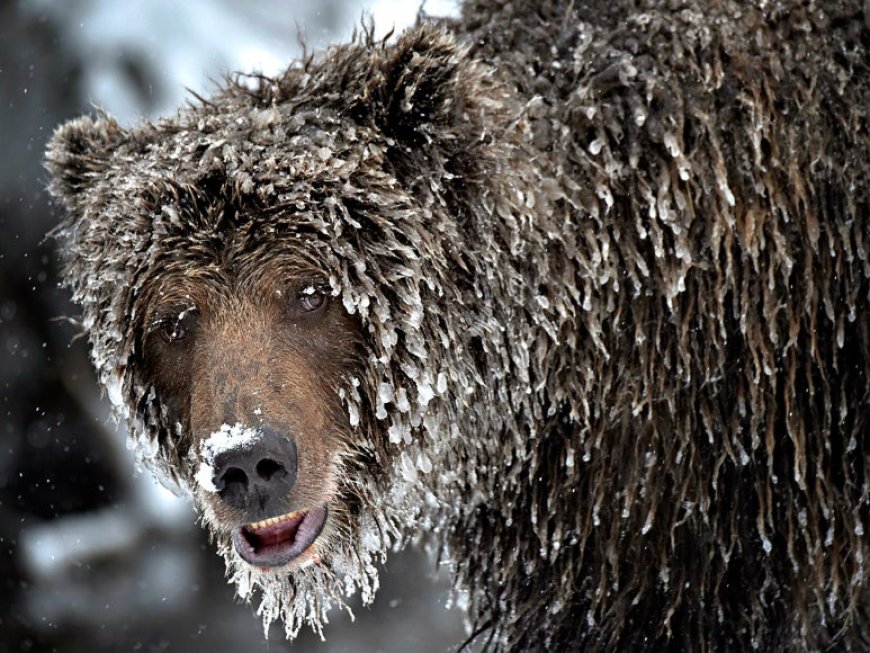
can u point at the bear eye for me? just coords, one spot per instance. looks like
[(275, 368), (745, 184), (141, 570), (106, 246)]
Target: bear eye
[(173, 331), (311, 300), (177, 327)]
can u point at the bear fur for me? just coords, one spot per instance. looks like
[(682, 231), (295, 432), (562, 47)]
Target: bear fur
[(609, 265)]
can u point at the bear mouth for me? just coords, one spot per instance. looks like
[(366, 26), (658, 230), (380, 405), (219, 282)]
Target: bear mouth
[(277, 541)]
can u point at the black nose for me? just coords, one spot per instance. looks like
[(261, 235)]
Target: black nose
[(256, 478)]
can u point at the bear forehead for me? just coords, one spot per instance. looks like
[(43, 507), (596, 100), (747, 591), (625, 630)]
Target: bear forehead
[(246, 146)]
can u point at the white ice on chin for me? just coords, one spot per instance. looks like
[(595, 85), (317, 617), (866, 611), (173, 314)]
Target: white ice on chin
[(224, 439)]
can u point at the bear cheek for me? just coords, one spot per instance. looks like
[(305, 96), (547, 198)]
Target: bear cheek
[(318, 449), (169, 370), (301, 409)]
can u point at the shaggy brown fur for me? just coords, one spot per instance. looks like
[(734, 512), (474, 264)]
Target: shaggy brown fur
[(604, 281)]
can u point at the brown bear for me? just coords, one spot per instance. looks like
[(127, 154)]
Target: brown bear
[(577, 290)]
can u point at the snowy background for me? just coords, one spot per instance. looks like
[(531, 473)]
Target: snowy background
[(92, 556)]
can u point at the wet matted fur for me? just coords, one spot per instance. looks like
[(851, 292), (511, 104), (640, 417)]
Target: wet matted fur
[(608, 267)]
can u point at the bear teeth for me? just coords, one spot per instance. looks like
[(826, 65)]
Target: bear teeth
[(271, 521)]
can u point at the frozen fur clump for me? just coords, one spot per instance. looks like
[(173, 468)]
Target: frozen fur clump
[(609, 265)]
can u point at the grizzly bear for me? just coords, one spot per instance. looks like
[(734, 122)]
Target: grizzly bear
[(576, 290)]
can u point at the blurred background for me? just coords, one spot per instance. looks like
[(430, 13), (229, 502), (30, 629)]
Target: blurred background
[(94, 557)]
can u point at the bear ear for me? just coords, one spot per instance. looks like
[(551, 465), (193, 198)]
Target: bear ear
[(415, 92), (78, 153)]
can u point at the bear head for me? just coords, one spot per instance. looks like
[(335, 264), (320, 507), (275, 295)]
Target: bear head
[(266, 280)]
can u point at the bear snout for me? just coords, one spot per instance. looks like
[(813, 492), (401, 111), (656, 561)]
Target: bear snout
[(257, 478)]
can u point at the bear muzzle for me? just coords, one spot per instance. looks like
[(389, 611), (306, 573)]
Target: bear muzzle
[(253, 472)]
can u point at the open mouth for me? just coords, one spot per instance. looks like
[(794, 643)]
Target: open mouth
[(276, 541)]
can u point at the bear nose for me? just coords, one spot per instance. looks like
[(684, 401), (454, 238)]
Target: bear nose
[(256, 478)]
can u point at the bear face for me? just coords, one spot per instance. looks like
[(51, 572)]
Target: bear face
[(265, 349)]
